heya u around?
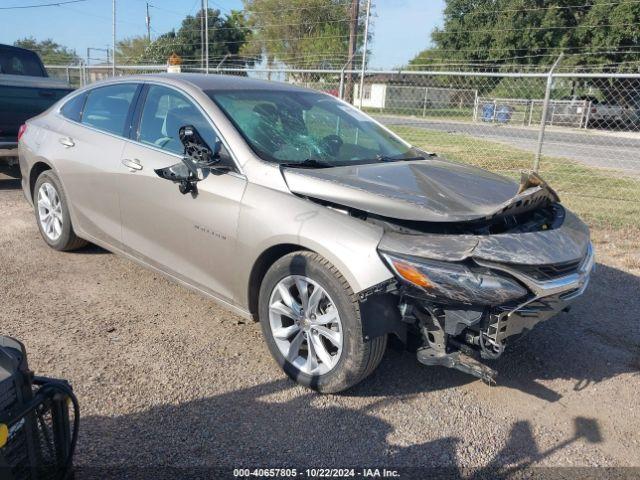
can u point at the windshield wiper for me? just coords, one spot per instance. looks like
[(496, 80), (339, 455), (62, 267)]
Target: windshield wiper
[(308, 163), (384, 158)]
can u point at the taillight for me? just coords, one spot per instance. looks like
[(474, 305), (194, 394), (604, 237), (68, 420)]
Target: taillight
[(22, 130)]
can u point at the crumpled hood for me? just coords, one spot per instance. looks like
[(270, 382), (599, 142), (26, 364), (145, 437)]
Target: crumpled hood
[(432, 190), (567, 243)]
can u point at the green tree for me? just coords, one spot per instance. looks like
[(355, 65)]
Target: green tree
[(227, 34), (534, 32), (613, 36), (132, 50), (49, 51), (303, 33)]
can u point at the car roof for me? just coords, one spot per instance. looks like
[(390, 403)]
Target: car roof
[(216, 82), (14, 48)]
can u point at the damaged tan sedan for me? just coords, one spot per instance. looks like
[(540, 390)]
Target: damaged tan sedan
[(292, 207)]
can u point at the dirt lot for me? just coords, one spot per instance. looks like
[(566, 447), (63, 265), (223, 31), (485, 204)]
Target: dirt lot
[(166, 377)]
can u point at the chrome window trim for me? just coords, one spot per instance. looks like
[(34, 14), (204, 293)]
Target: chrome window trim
[(59, 114), (202, 111), (68, 98), (238, 174), (239, 171), (88, 92)]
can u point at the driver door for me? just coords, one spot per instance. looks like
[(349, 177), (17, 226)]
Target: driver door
[(191, 237)]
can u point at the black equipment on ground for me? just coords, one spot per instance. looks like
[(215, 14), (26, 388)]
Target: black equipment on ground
[(38, 429)]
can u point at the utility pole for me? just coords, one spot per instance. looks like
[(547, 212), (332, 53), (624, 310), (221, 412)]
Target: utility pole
[(148, 20), (354, 13), (113, 65), (364, 52), (206, 36), (202, 34)]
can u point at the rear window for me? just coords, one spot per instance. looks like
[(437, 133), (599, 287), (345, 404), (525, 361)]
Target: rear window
[(73, 108), (20, 62)]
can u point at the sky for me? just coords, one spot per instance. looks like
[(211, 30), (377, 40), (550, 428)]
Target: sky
[(401, 28)]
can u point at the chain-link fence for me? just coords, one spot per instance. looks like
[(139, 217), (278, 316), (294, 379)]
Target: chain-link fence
[(580, 131)]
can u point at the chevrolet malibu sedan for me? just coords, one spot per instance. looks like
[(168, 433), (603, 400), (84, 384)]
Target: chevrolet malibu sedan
[(291, 207)]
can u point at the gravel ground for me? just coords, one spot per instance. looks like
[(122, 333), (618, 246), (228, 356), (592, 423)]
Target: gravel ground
[(166, 377)]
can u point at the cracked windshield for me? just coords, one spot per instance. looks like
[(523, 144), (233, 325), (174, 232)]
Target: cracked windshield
[(309, 129)]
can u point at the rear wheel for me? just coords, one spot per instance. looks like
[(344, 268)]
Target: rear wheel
[(310, 318), (52, 213)]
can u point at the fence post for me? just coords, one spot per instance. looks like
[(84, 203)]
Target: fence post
[(475, 108), (588, 115), (426, 98), (545, 108), (341, 87), (224, 59)]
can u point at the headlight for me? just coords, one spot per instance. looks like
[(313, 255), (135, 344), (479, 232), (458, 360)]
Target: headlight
[(452, 282)]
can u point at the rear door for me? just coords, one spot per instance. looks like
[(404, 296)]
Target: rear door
[(88, 149), (192, 237)]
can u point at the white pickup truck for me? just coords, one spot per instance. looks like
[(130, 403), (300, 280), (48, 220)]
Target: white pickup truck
[(604, 114)]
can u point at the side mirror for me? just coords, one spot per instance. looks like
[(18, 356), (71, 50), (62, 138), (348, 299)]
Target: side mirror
[(197, 159), (196, 149)]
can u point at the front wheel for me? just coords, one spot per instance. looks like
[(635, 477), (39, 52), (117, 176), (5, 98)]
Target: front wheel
[(310, 319)]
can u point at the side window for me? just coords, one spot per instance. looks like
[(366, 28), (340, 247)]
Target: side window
[(19, 62), (165, 111), (107, 108), (73, 108)]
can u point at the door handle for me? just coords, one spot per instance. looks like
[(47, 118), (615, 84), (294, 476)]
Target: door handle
[(67, 142), (132, 165)]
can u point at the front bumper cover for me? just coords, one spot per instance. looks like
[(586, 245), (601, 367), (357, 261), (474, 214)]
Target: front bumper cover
[(549, 298)]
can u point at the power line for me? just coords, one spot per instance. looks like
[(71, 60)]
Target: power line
[(102, 17), (286, 6), (266, 40), (524, 29), (553, 55), (554, 7), (56, 4)]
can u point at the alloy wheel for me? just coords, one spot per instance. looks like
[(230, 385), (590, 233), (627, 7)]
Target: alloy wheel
[(50, 211), (305, 325)]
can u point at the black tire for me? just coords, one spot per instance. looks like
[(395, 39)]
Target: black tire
[(359, 358), (67, 240)]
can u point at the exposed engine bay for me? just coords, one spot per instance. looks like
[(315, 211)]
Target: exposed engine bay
[(467, 285)]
